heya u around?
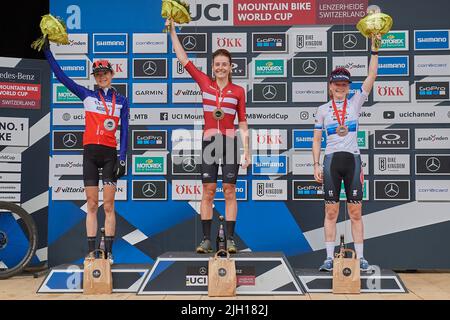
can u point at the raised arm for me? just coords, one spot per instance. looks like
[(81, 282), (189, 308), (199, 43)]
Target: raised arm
[(177, 47), (74, 87), (373, 67)]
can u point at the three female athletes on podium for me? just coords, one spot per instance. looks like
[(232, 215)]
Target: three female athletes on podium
[(222, 101)]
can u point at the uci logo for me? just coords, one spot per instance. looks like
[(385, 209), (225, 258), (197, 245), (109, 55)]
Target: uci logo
[(96, 273)]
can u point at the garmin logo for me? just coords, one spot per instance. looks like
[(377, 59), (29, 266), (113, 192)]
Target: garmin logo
[(110, 43)]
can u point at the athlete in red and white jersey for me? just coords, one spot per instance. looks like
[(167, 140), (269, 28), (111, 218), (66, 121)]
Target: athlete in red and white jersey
[(104, 108), (222, 101)]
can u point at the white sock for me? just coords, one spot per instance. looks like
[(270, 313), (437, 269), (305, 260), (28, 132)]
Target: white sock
[(330, 249), (359, 248)]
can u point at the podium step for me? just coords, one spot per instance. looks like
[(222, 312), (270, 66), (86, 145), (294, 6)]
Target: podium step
[(380, 281), (258, 273), (69, 278)]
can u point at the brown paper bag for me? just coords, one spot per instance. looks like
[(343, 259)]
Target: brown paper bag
[(221, 276), (346, 273), (97, 276)]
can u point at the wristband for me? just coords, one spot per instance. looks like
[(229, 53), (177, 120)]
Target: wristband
[(375, 53)]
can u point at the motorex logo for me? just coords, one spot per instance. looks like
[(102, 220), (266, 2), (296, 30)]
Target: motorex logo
[(303, 139), (431, 40), (393, 66), (269, 165), (74, 68), (110, 42), (395, 40)]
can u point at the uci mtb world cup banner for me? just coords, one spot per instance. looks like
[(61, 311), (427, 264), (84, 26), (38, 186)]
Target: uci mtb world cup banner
[(283, 53)]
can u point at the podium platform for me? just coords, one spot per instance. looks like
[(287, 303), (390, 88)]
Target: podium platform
[(69, 278), (258, 273), (382, 281)]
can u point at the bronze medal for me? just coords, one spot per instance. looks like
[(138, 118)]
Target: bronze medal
[(342, 131), (218, 114)]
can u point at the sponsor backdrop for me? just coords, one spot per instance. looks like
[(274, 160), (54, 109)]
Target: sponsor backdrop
[(283, 52), (24, 140)]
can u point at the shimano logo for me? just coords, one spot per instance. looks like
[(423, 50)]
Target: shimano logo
[(73, 68), (392, 65), (432, 40), (110, 43), (270, 165)]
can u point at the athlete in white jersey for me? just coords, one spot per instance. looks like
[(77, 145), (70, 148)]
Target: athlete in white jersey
[(342, 161)]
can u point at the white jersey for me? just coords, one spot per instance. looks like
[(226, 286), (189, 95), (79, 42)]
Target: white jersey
[(326, 119)]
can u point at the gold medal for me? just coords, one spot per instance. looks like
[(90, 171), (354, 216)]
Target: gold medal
[(342, 131), (218, 114)]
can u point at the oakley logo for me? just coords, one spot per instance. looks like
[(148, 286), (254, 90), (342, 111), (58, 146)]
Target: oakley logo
[(391, 137)]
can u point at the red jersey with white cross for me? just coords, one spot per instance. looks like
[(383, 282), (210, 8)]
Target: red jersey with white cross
[(231, 98)]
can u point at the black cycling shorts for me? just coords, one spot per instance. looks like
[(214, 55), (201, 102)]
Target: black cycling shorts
[(220, 150), (97, 157), (343, 166)]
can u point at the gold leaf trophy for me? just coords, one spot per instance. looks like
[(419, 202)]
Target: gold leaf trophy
[(177, 10), (52, 28), (374, 25)]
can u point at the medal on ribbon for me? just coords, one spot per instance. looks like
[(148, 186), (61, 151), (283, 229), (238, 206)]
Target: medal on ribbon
[(109, 124), (342, 129), (218, 113)]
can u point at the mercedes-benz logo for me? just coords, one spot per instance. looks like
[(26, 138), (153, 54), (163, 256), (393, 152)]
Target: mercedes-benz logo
[(189, 43), (391, 190), (69, 140), (433, 164), (269, 92), (149, 190), (203, 271), (309, 66), (149, 68), (350, 41), (189, 164)]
